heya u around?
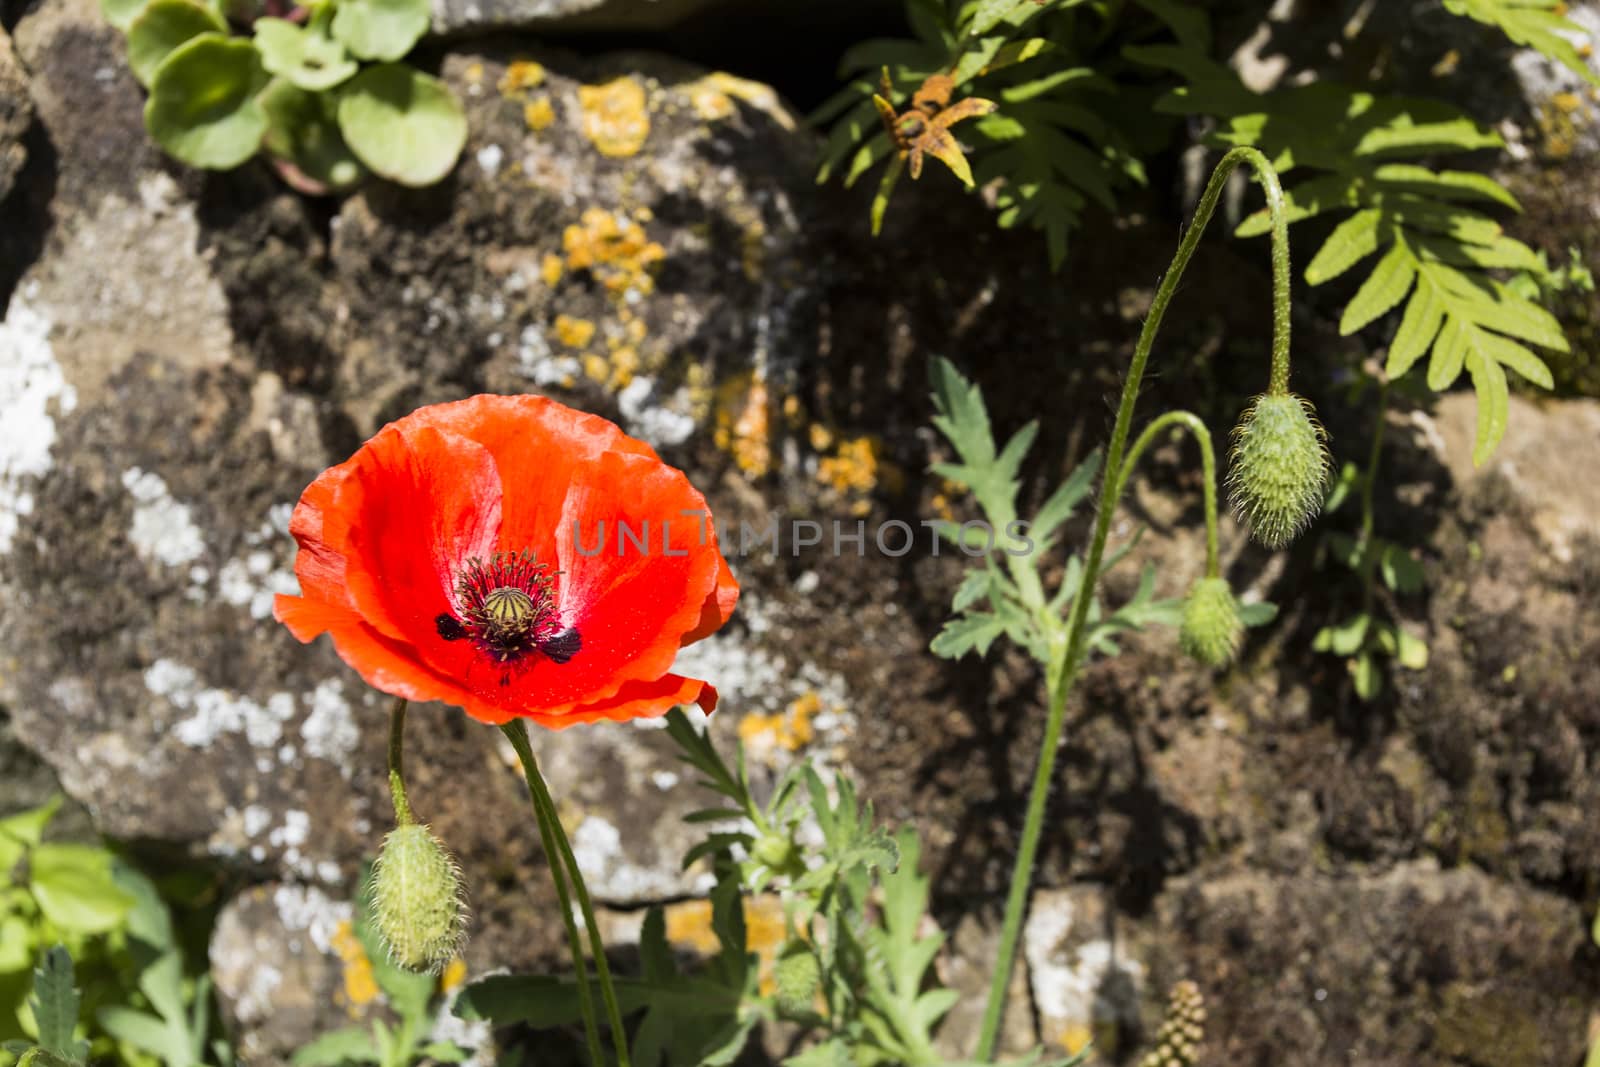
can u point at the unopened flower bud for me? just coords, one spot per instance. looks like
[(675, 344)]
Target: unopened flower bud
[(777, 852), (417, 906), (1211, 630), (1280, 467), (797, 976)]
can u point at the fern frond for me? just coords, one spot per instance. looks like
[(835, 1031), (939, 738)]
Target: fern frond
[(1537, 24)]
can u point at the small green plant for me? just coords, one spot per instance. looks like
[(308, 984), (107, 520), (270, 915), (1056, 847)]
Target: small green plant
[(145, 1005), (1384, 570), (315, 87), (411, 993), (855, 966)]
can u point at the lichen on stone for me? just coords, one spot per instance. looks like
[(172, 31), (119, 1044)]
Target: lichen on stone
[(615, 116)]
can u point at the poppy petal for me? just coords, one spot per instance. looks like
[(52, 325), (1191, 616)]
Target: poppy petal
[(637, 700), (385, 664)]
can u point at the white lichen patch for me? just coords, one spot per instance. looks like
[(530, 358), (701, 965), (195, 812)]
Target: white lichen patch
[(330, 731), (33, 391), (252, 579), (309, 911), (1082, 983), (597, 846), (215, 712), (658, 423), (163, 529), (537, 362)]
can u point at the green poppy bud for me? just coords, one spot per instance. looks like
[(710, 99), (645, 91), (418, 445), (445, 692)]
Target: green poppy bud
[(797, 976), (417, 906), (1211, 629), (1280, 468), (777, 852)]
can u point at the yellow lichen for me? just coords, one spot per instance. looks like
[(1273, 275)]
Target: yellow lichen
[(712, 98), (539, 114), (574, 332), (551, 268), (790, 730), (615, 116), (617, 251), (360, 987), (597, 368), (455, 972), (744, 424), (522, 76), (474, 73), (688, 926), (856, 469), (1567, 102), (1075, 1037)]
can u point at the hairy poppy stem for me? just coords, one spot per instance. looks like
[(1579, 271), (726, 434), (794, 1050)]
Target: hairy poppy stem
[(1208, 469), (1063, 672), (397, 784), (558, 852)]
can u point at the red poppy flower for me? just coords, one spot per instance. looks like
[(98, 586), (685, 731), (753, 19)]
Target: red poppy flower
[(515, 557)]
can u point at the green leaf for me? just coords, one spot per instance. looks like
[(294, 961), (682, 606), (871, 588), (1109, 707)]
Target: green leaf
[(880, 199), (383, 30), (55, 1006), (1385, 287), (203, 108), (1400, 572), (27, 827), (75, 890), (162, 26), (1539, 24), (1418, 328), (1068, 495), (1258, 613), (300, 54), (974, 632), (17, 943), (303, 131), (406, 126), (145, 1031), (121, 13), (1367, 675), (38, 1057), (1351, 241), (1411, 652), (353, 1044), (1345, 638)]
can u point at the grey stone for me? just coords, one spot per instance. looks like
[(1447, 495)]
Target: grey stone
[(16, 115)]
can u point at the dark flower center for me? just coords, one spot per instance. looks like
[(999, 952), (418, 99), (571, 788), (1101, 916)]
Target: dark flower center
[(507, 608)]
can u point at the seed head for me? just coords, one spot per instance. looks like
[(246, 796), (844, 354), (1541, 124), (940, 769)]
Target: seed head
[(1178, 1040), (797, 977), (1280, 467), (1211, 630), (417, 905)]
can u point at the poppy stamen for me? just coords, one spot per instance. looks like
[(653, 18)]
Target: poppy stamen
[(508, 608)]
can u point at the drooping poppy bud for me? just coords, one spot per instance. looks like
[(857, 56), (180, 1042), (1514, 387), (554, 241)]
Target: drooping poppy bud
[(1211, 630), (797, 976), (1280, 467), (417, 905)]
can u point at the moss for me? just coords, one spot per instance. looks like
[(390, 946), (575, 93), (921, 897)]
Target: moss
[(1486, 1028)]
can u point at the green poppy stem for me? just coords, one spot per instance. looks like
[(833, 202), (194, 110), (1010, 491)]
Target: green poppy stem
[(558, 852), (1208, 469), (397, 784), (1063, 672)]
